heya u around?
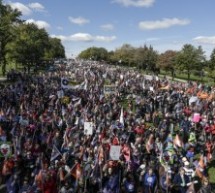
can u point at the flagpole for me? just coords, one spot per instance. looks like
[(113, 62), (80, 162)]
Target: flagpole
[(101, 175), (33, 135), (119, 190)]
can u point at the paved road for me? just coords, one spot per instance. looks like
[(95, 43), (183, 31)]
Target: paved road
[(3, 79)]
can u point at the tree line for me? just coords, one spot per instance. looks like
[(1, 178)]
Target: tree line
[(189, 59), (24, 43)]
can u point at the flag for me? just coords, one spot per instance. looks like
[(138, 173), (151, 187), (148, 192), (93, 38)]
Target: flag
[(143, 85), (55, 153), (76, 171), (65, 83), (178, 141), (66, 138), (77, 102), (121, 119), (150, 143)]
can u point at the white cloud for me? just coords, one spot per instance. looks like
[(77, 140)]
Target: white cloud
[(152, 39), (162, 24), (85, 37), (135, 3), (107, 27), (21, 7), (78, 20), (105, 38), (39, 23), (205, 39), (27, 9), (59, 28), (36, 6)]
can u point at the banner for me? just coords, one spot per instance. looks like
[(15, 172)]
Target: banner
[(115, 152), (55, 153)]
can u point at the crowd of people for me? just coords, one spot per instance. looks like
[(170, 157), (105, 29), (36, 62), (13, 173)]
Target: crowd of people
[(110, 130)]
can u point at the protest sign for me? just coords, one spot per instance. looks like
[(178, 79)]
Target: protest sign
[(60, 94), (5, 149), (148, 77), (24, 122), (109, 89), (88, 128), (115, 152)]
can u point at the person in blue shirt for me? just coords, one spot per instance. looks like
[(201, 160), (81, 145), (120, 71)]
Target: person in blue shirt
[(149, 181), (112, 182), (129, 184)]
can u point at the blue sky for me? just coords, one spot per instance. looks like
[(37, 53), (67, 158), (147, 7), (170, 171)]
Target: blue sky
[(164, 24)]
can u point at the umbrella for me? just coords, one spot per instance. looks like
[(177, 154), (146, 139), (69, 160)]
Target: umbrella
[(193, 99)]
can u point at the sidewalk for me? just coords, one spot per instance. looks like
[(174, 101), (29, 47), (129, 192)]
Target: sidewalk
[(2, 79)]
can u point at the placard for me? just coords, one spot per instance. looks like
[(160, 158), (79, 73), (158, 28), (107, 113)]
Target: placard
[(115, 152), (24, 122), (60, 94), (151, 88), (5, 149), (109, 89), (88, 128), (148, 77)]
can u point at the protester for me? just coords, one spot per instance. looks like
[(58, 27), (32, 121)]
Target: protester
[(181, 180), (110, 130)]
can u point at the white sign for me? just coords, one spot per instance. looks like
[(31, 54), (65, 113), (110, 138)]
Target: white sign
[(5, 150), (60, 94), (88, 128), (151, 88), (115, 152), (148, 77), (109, 89), (24, 122)]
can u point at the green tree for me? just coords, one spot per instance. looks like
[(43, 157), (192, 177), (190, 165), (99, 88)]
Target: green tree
[(190, 58), (167, 60), (211, 65), (29, 46), (9, 18), (110, 58), (124, 55), (55, 49), (94, 53), (146, 58)]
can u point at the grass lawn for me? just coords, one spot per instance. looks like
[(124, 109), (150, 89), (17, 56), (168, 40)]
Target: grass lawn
[(211, 172), (183, 76)]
